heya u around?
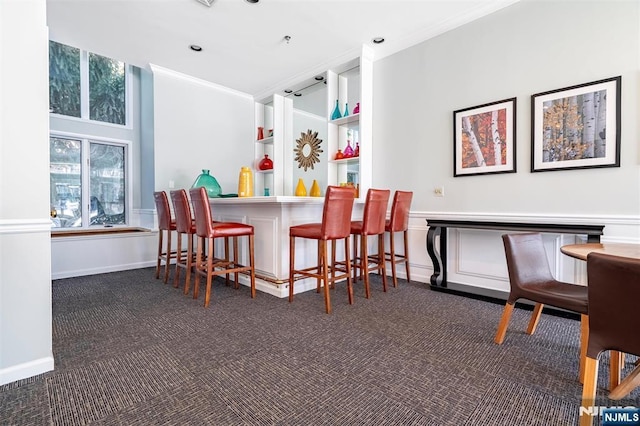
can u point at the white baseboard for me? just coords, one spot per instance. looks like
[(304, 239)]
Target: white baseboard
[(26, 370)]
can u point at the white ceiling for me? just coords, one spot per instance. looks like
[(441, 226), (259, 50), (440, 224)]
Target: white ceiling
[(243, 44)]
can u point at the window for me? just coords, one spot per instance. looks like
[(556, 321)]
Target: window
[(105, 78), (88, 185)]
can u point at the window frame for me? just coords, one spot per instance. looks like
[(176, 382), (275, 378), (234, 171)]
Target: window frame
[(85, 172), (84, 93)]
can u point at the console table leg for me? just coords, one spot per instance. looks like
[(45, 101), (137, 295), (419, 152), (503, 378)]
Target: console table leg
[(439, 259)]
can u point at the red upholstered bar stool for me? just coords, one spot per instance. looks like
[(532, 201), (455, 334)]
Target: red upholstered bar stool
[(372, 224), (165, 225), (335, 225), (185, 225), (207, 230), (399, 222)]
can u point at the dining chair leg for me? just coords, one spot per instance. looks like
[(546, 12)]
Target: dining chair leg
[(589, 390), (535, 317), (628, 384), (406, 254), (584, 341), (504, 322), (292, 251), (615, 365)]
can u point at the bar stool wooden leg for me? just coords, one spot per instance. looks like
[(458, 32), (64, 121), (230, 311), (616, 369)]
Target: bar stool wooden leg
[(406, 254), (236, 284), (392, 253), (176, 276), (199, 266), (348, 267), (381, 262), (319, 270), (210, 252), (253, 266), (160, 237), (292, 251), (168, 258), (190, 261), (325, 275)]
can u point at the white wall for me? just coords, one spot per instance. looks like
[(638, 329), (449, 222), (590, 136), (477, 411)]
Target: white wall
[(521, 50), (303, 121), (25, 251), (199, 125), (524, 49)]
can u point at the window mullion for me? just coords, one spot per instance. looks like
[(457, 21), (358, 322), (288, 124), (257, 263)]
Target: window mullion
[(86, 182), (84, 84)]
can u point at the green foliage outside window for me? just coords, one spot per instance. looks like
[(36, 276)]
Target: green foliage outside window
[(106, 89), (64, 79)]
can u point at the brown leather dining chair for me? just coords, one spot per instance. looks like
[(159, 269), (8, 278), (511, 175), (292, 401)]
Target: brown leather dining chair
[(614, 291), (399, 222), (530, 278), (206, 264), (372, 224), (185, 225), (335, 225), (166, 225)]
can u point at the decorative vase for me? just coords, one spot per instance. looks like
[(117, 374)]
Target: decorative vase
[(315, 189), (356, 152), (301, 190), (209, 182), (348, 151), (245, 182), (339, 155), (336, 112), (356, 109), (265, 163), (346, 110), (260, 133)]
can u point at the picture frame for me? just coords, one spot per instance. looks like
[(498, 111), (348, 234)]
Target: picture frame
[(477, 131), (576, 127)]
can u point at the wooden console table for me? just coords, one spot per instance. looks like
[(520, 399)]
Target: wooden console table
[(438, 228)]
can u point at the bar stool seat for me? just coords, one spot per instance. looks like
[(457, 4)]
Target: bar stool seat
[(335, 225)]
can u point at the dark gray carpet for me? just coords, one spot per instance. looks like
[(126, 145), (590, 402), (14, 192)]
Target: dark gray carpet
[(130, 350)]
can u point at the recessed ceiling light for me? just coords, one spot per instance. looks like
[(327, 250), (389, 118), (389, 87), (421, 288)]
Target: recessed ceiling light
[(195, 48), (297, 94), (319, 78), (377, 40), (252, 1), (288, 91)]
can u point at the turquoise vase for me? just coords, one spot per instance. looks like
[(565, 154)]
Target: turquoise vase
[(209, 182), (346, 110), (336, 112)]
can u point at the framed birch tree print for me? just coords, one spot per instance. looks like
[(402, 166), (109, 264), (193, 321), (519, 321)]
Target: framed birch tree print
[(576, 127), (484, 139)]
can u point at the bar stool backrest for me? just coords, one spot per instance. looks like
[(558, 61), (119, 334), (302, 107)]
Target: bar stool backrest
[(336, 215), (202, 212), (375, 211), (163, 210), (400, 206), (182, 211)]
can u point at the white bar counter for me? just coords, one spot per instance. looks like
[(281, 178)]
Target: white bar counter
[(271, 218)]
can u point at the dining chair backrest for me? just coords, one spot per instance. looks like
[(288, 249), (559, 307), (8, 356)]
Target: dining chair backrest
[(182, 211), (526, 260), (163, 210), (614, 292), (202, 212), (375, 211), (336, 214), (399, 220)]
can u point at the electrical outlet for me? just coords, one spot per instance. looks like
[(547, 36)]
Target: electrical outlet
[(438, 192)]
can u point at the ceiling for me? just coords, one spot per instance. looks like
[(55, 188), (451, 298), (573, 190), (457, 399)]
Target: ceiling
[(243, 44)]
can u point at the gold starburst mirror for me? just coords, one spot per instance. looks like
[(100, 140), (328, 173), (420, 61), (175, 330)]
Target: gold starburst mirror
[(308, 149)]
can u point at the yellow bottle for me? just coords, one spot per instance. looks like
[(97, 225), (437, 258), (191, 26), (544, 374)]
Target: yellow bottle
[(301, 190), (315, 189), (245, 182)]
